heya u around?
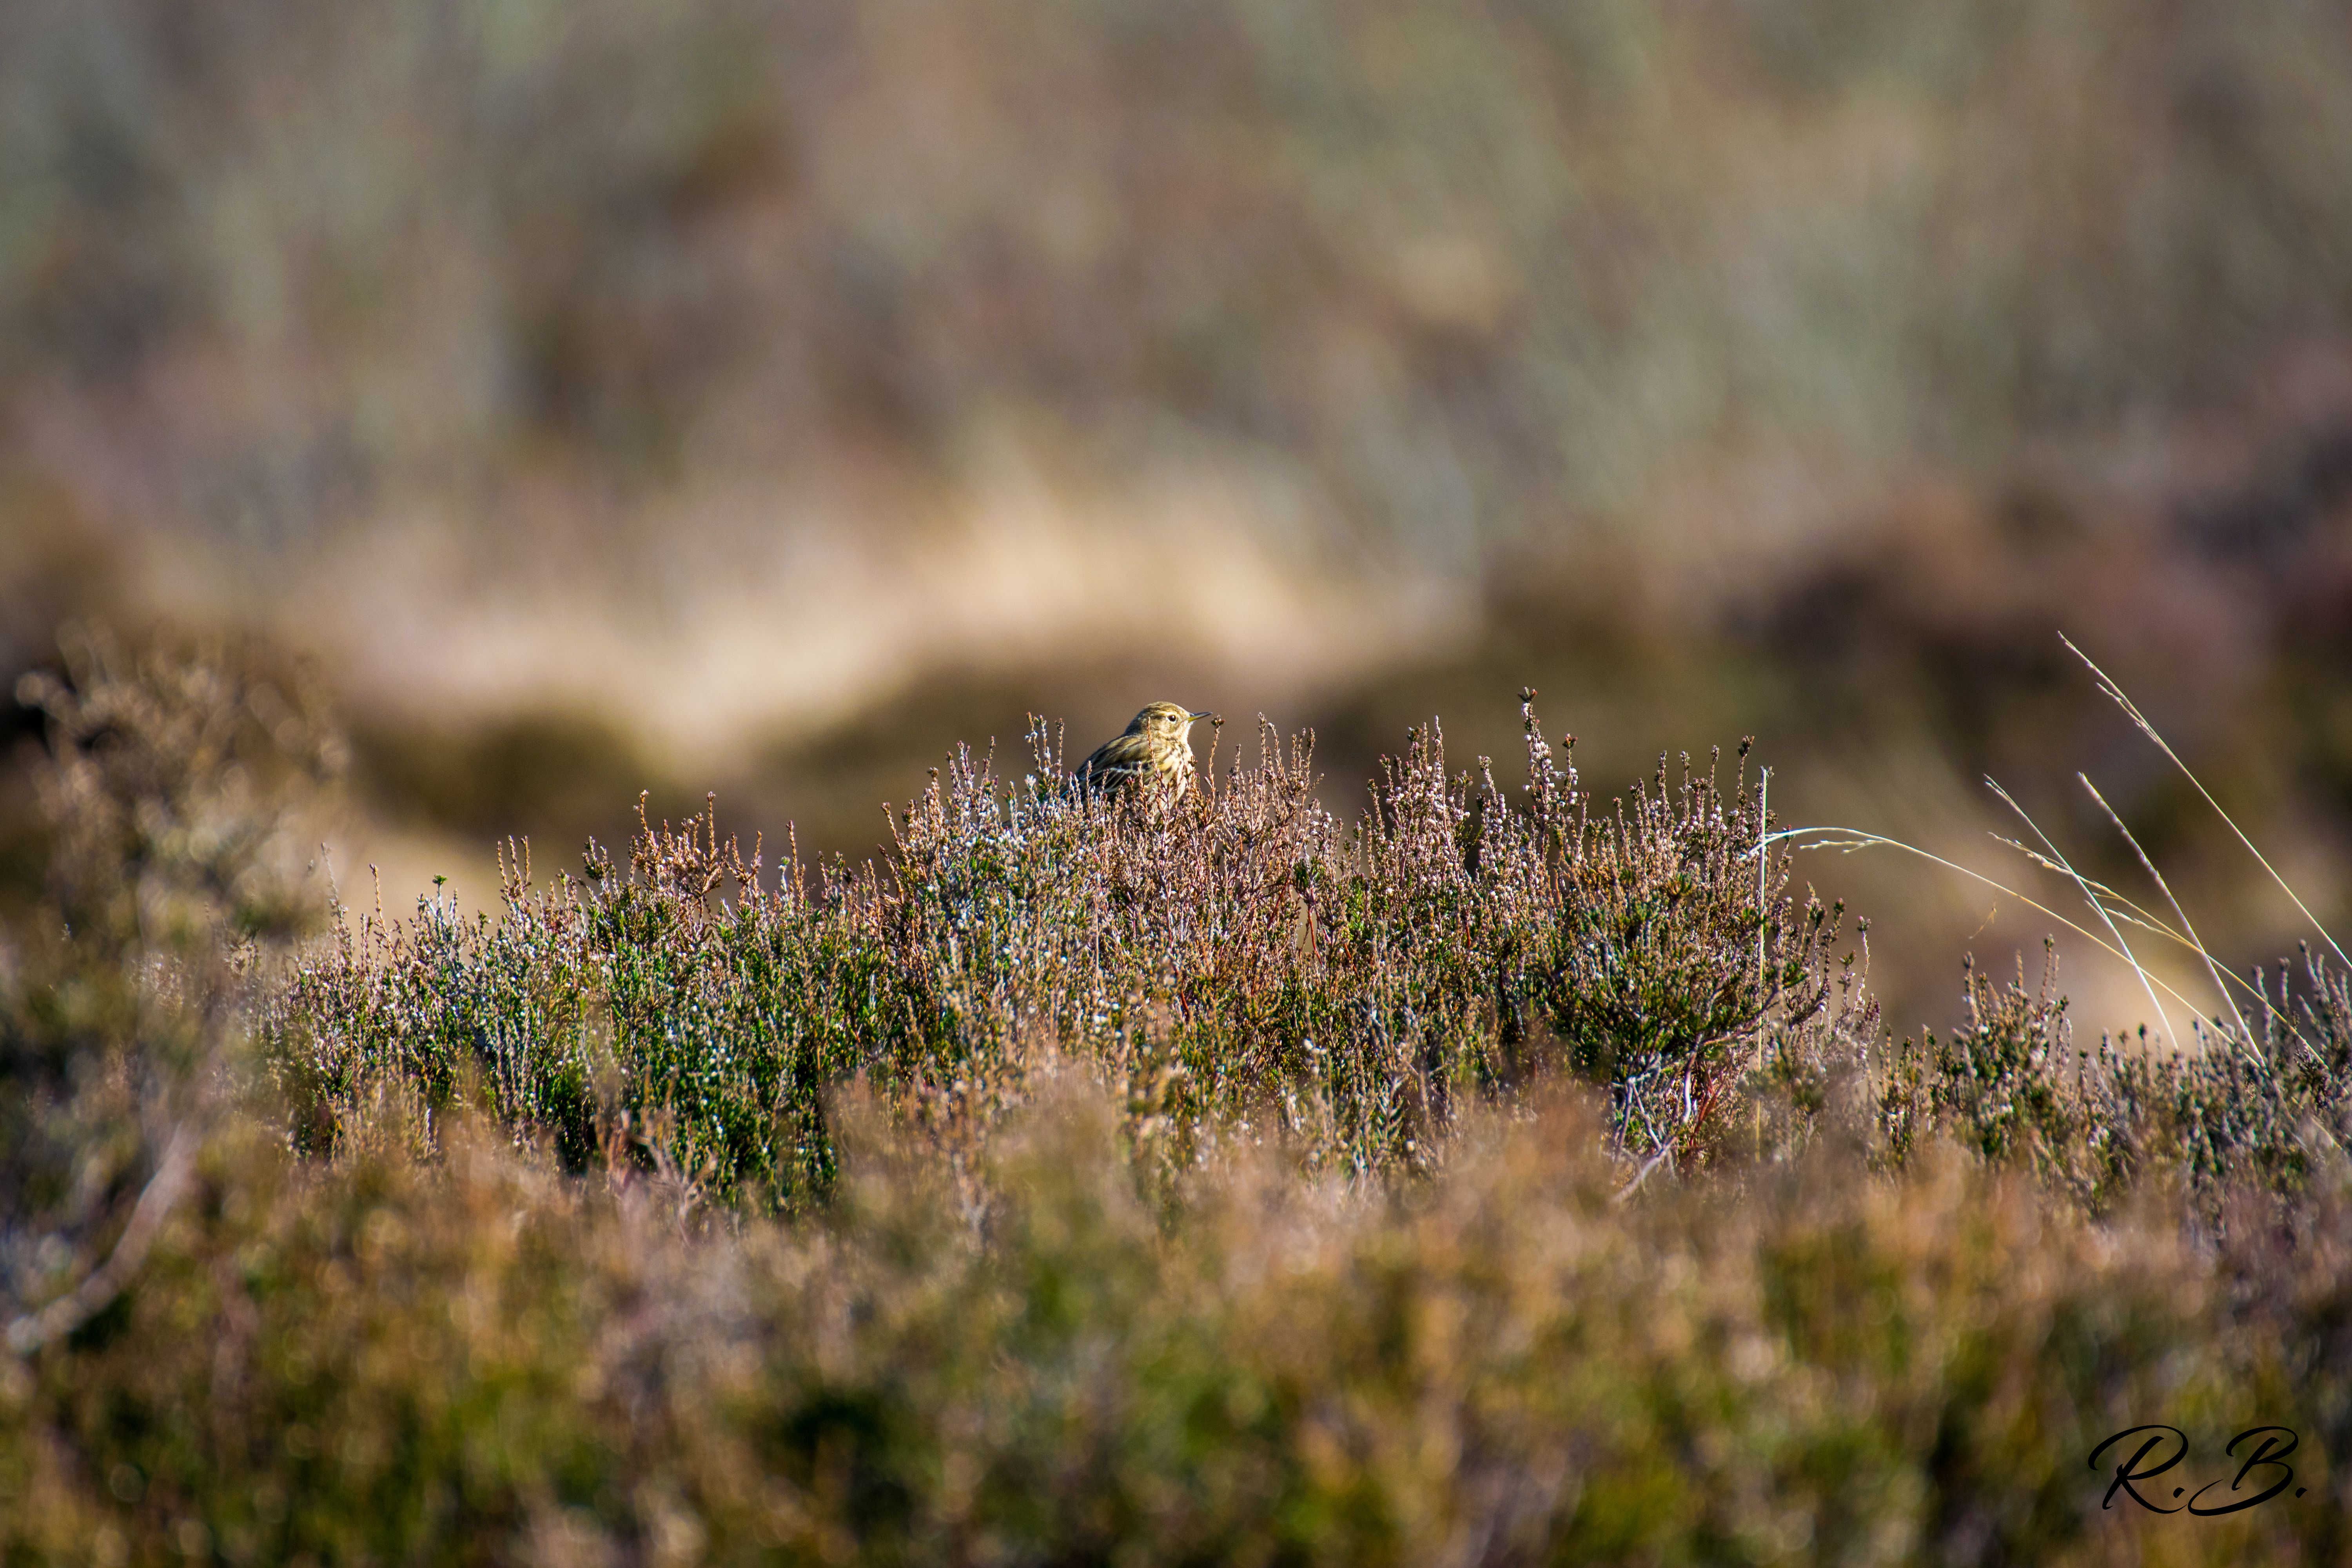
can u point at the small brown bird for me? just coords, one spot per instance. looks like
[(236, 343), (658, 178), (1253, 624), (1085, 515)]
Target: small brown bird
[(1154, 756)]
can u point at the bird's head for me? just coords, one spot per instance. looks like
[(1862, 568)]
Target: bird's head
[(1168, 720)]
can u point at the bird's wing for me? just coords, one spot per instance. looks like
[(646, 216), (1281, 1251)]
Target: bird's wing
[(1115, 761)]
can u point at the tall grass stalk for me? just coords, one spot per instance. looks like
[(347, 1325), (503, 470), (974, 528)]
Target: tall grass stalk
[(2132, 711)]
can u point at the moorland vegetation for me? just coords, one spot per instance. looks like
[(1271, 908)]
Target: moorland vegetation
[(1511, 1174)]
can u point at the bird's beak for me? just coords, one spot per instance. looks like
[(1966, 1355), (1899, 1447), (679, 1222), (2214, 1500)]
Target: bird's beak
[(1191, 716)]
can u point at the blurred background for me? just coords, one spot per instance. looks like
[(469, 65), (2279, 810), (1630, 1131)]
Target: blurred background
[(603, 398)]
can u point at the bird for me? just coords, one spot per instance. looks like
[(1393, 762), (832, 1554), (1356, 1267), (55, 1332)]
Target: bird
[(1153, 758)]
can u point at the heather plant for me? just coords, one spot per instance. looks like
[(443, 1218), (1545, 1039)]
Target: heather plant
[(478, 1359), (2266, 1107), (1239, 960)]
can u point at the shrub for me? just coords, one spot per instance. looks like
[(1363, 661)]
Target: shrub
[(1240, 962), (171, 789), (2266, 1107)]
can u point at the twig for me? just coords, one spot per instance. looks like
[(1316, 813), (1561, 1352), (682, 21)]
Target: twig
[(1763, 825), (1630, 1188), (95, 1294)]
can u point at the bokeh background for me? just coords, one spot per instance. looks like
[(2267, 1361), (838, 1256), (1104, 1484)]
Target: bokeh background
[(764, 398)]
